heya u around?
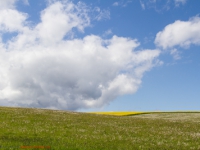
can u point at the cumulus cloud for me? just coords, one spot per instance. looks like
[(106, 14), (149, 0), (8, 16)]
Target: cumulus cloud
[(11, 20), (40, 67), (7, 4), (179, 33), (65, 17)]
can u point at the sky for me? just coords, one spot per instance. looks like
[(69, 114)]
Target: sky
[(125, 55)]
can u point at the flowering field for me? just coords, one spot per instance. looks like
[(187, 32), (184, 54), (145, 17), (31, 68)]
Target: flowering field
[(131, 113), (23, 128), (119, 113)]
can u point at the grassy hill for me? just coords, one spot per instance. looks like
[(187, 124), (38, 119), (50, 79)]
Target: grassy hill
[(23, 128)]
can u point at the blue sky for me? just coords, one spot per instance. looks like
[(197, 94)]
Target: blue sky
[(126, 55)]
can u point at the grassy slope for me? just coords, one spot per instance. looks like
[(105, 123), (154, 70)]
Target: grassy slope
[(68, 130)]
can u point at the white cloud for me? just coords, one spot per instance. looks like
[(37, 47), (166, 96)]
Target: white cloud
[(175, 53), (40, 68), (11, 20), (122, 3), (7, 4), (161, 5), (126, 3), (178, 2), (65, 17), (26, 2), (102, 14), (116, 4), (179, 33), (4, 4), (142, 5), (107, 32)]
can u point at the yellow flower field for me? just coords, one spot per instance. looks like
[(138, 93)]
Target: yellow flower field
[(119, 113), (129, 113)]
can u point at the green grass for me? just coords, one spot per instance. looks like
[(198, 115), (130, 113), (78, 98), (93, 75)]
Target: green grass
[(71, 130)]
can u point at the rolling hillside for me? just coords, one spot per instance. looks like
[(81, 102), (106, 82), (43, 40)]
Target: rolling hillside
[(26, 128)]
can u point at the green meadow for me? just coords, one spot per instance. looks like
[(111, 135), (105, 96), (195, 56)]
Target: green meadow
[(26, 128)]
